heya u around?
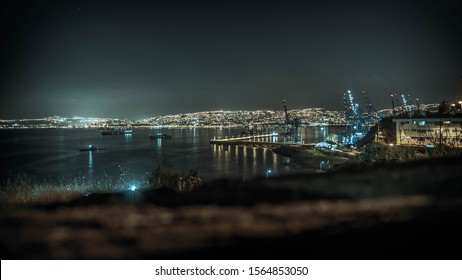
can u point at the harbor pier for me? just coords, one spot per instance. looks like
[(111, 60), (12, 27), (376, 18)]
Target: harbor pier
[(253, 141)]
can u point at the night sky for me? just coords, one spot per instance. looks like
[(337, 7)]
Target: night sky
[(136, 59)]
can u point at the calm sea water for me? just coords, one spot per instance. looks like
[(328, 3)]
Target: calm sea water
[(51, 154)]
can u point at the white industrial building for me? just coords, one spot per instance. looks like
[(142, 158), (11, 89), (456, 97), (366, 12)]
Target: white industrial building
[(430, 131)]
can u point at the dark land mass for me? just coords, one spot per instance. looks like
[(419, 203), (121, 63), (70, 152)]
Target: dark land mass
[(391, 211), (308, 159)]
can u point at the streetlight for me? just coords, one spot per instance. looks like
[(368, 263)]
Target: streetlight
[(268, 173)]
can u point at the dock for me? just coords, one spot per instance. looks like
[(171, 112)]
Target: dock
[(242, 138), (252, 141)]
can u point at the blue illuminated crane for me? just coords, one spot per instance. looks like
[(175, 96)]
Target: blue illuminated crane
[(352, 118), (358, 122)]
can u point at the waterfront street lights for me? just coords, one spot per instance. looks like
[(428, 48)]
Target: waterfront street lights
[(268, 173)]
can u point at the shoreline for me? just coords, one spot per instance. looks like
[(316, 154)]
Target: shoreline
[(308, 158)]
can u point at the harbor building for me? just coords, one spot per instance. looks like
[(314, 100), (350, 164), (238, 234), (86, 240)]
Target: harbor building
[(440, 129)]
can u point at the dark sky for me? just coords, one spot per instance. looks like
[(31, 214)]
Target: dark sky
[(137, 59)]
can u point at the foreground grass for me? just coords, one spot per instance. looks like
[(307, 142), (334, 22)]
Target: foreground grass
[(23, 189)]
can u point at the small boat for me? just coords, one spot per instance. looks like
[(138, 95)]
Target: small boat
[(91, 148), (128, 131), (160, 136)]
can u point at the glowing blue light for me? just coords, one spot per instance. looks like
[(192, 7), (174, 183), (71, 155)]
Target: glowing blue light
[(133, 188)]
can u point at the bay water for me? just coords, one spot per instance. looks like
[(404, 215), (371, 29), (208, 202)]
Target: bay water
[(53, 154)]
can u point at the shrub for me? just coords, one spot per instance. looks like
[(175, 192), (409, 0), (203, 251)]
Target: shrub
[(165, 175)]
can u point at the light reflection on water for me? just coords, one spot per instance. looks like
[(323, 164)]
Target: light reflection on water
[(159, 144), (90, 165), (128, 138), (247, 162)]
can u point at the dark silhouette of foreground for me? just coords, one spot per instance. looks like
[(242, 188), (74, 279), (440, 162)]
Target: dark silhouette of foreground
[(405, 211)]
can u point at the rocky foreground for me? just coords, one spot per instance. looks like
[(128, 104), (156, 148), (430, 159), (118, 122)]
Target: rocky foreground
[(405, 211)]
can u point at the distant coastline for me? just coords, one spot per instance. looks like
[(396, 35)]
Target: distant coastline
[(313, 117)]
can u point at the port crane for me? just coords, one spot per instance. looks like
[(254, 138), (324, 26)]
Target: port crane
[(285, 112), (403, 104), (398, 103), (352, 112), (393, 104), (369, 108), (352, 118), (417, 105), (372, 116), (292, 126), (357, 121)]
